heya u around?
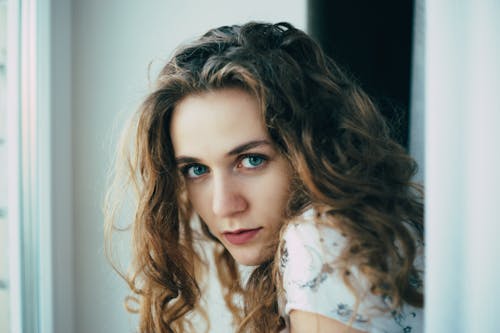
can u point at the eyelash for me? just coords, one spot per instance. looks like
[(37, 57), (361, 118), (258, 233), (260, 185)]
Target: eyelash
[(259, 156), (185, 170)]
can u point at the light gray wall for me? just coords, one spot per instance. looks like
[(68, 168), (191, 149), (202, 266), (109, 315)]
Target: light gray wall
[(61, 179), (113, 43), (462, 119)]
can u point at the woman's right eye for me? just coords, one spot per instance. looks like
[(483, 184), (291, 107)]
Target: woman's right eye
[(194, 170)]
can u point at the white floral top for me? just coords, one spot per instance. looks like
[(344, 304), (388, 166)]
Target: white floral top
[(312, 284)]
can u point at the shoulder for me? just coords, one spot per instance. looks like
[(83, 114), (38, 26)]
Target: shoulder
[(312, 230), (312, 280), (309, 237), (309, 244)]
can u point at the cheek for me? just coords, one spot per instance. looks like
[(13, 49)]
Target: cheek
[(198, 199), (281, 193), (275, 191)]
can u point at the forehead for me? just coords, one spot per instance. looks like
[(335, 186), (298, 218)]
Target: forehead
[(215, 122)]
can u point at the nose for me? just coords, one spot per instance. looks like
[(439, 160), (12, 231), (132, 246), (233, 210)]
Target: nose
[(227, 197)]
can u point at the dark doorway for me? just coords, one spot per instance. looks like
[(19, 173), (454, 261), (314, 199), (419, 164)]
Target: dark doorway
[(372, 40)]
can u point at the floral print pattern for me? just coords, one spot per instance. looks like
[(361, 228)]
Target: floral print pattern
[(312, 283)]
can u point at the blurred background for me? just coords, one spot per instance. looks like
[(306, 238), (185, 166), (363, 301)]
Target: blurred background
[(72, 71)]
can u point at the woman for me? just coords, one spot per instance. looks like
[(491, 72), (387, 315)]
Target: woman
[(288, 167)]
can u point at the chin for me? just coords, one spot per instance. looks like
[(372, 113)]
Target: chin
[(249, 260)]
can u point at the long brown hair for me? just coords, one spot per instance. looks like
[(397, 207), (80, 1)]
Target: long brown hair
[(344, 160)]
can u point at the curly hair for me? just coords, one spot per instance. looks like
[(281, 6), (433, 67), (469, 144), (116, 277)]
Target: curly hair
[(345, 164)]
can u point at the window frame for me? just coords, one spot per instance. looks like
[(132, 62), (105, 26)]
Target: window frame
[(40, 233)]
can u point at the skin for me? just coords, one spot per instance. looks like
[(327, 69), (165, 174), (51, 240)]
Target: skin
[(306, 322), (235, 177)]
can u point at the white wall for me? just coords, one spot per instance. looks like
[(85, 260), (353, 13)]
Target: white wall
[(462, 84), (113, 43)]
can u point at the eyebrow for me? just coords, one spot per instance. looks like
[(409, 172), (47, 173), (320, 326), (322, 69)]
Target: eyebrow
[(235, 151), (247, 146)]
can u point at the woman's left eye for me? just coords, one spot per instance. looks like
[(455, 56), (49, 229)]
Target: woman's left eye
[(252, 161)]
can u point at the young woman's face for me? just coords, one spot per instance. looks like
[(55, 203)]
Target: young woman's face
[(236, 180)]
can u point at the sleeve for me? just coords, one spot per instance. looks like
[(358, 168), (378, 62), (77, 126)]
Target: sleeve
[(310, 279)]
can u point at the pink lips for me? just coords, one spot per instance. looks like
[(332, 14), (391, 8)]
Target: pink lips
[(241, 236)]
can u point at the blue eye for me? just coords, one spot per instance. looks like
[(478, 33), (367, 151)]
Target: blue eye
[(194, 170), (252, 161)]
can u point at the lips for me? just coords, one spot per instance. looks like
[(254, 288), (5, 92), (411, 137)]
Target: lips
[(241, 236)]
